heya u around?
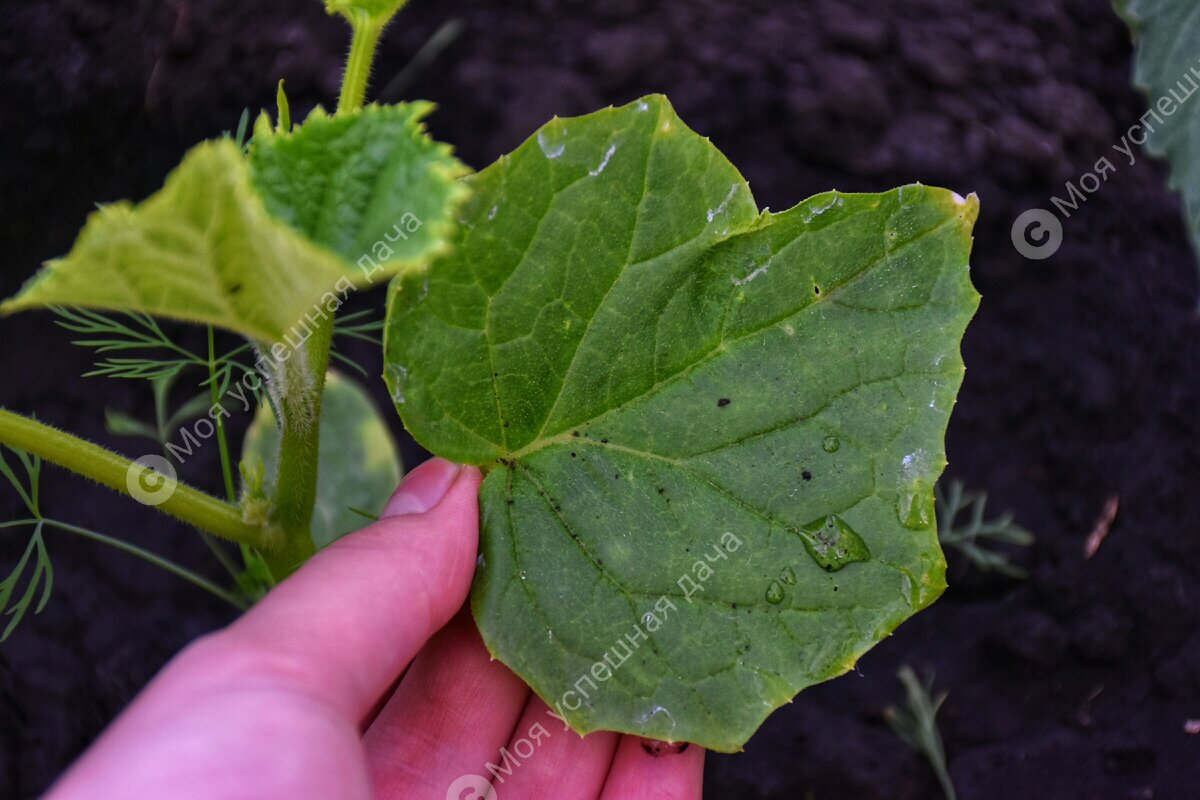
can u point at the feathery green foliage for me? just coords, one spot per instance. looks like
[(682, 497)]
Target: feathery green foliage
[(970, 536), (915, 722)]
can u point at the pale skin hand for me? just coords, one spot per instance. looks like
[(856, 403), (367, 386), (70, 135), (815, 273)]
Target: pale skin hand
[(299, 697)]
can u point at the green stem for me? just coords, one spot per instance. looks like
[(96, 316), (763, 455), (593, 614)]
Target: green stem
[(214, 394), (303, 375), (158, 561), (299, 448), (365, 39), (120, 474), (226, 468)]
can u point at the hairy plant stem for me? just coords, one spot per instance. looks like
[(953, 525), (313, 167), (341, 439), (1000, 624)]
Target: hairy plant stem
[(112, 470), (303, 384), (303, 375), (358, 64)]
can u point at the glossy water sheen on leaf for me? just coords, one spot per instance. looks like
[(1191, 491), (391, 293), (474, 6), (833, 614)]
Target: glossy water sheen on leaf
[(369, 183), (647, 366), (1167, 59), (358, 464), (202, 249)]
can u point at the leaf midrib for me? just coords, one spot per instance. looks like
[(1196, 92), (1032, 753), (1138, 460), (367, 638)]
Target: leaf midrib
[(722, 346)]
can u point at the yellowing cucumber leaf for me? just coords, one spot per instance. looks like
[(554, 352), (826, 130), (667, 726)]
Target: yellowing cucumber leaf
[(202, 249), (358, 463), (254, 249), (710, 433), (371, 186), (1167, 68)]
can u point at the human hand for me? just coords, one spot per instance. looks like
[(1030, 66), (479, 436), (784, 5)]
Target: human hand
[(299, 697)]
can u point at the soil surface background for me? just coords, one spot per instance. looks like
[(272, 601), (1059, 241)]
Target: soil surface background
[(1083, 377)]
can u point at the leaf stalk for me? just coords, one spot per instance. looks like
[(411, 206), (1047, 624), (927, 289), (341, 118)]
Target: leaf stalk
[(363, 42), (121, 474)]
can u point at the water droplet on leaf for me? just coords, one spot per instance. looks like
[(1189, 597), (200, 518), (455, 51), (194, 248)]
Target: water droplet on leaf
[(914, 491), (913, 509), (399, 377), (551, 146), (833, 543), (831, 444), (713, 213), (603, 161), (906, 588), (652, 721), (811, 212), (775, 593), (788, 576)]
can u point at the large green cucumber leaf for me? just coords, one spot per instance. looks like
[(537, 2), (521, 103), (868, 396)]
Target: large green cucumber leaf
[(667, 390), (371, 186), (255, 249), (358, 465), (1167, 64)]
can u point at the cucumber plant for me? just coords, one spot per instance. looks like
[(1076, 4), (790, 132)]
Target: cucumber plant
[(710, 433)]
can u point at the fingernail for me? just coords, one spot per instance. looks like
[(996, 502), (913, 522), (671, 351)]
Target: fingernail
[(423, 488), (655, 748)]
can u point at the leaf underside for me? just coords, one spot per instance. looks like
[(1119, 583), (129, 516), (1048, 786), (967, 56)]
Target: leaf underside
[(253, 250), (358, 466), (202, 249), (1166, 59), (646, 366)]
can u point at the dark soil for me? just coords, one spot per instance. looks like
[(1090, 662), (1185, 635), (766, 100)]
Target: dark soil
[(1084, 369)]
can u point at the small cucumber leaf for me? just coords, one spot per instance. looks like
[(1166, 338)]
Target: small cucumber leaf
[(202, 249), (370, 185), (1166, 33), (358, 463), (252, 244), (710, 433)]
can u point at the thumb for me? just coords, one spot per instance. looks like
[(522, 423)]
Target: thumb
[(337, 633), (356, 614)]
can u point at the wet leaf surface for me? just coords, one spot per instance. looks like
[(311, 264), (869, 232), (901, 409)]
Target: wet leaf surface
[(711, 434)]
